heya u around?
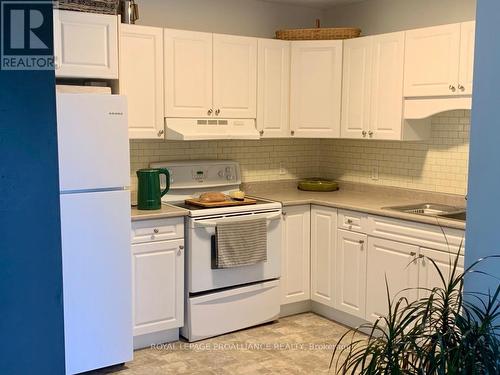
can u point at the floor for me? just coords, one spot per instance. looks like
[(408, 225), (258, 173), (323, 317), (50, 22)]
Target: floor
[(300, 344)]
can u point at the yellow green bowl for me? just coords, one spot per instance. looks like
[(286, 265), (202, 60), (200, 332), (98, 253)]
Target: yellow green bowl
[(317, 184)]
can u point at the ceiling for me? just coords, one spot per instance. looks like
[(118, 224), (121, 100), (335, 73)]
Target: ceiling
[(322, 4)]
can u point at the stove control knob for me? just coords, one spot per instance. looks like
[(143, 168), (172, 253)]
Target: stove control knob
[(221, 173), (229, 177)]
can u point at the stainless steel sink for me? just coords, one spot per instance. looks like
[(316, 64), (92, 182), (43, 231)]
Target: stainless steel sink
[(432, 209), (462, 216)]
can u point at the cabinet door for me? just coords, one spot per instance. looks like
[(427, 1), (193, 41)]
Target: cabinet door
[(273, 88), (85, 45), (429, 276), (295, 260), (467, 40), (158, 286), (188, 73), (351, 258), (386, 114), (141, 79), (235, 76), (398, 263), (356, 88), (323, 245), (431, 60), (316, 88)]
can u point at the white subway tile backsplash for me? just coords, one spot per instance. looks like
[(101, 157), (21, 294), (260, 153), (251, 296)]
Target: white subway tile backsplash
[(439, 164)]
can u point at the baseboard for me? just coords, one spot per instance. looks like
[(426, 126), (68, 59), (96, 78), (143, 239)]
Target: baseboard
[(295, 308), (338, 316), (147, 340)]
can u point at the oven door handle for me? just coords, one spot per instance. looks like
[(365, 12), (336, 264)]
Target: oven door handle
[(215, 222)]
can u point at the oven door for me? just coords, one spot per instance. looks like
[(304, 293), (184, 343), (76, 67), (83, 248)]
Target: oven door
[(200, 275)]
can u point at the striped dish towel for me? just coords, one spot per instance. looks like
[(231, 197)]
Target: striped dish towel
[(240, 243)]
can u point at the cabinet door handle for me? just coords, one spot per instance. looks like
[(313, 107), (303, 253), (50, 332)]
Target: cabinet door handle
[(156, 230), (361, 242), (363, 133), (452, 88), (217, 112), (210, 111), (349, 221), (179, 252), (160, 133), (261, 132), (461, 88), (293, 132), (413, 253), (370, 133)]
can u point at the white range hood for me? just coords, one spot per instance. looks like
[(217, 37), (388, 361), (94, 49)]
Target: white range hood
[(419, 109), (188, 129)]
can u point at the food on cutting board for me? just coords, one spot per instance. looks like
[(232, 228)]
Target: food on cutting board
[(237, 195), (212, 197)]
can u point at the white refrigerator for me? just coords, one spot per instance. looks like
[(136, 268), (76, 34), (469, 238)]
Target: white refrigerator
[(94, 175)]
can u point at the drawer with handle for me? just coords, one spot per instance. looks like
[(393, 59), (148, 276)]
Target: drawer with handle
[(352, 220), (157, 230)]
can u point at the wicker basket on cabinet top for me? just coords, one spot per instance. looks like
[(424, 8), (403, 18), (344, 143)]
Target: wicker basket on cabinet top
[(319, 33)]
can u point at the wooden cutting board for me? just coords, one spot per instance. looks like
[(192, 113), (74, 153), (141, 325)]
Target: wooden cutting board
[(229, 202)]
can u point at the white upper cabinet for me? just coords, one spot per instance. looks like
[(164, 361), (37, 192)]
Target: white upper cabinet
[(141, 79), (356, 87), (188, 74), (466, 73), (386, 103), (85, 45), (439, 60), (234, 76), (296, 254), (316, 88), (273, 88), (372, 98), (323, 246)]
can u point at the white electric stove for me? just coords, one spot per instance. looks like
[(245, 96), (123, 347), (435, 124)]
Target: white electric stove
[(222, 300)]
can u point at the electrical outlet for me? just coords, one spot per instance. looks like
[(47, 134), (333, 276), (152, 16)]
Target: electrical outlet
[(375, 172), (282, 167)]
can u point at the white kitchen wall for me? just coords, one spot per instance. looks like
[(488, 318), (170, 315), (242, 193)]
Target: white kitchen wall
[(438, 164), (238, 17), (382, 16)]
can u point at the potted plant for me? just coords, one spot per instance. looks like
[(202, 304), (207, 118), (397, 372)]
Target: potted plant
[(444, 332)]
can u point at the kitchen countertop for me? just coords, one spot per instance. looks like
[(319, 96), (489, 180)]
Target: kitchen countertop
[(166, 211), (359, 197)]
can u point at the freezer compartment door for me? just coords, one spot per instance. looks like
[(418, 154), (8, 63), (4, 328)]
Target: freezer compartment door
[(92, 133), (97, 282)]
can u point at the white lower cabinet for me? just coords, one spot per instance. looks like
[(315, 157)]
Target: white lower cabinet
[(323, 243), (394, 262), (158, 286), (351, 260), (429, 276), (157, 278), (296, 254)]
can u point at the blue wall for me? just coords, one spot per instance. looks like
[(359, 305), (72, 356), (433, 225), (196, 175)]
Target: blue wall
[(483, 224), (31, 310)]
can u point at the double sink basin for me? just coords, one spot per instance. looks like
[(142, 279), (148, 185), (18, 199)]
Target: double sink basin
[(433, 210)]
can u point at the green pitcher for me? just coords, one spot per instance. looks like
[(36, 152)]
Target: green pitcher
[(149, 192)]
